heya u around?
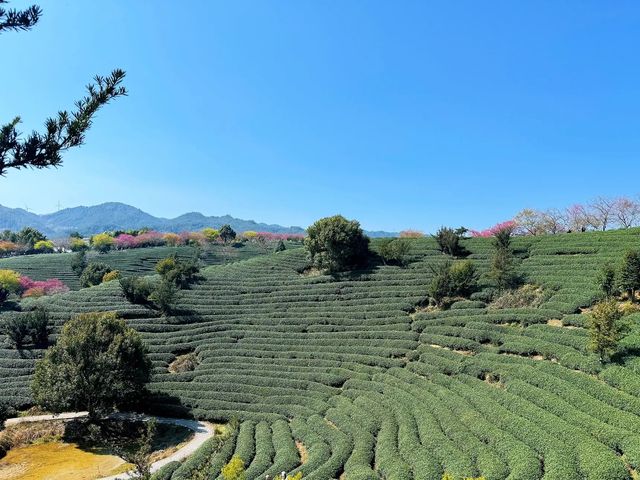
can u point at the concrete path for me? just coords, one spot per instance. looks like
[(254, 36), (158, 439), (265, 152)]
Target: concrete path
[(202, 432)]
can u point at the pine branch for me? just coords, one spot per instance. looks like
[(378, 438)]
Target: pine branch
[(19, 19), (67, 130)]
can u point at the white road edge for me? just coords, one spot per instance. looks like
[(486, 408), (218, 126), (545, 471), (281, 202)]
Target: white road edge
[(202, 432)]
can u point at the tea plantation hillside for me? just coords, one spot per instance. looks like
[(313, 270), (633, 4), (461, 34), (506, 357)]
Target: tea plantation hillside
[(128, 262), (346, 377)]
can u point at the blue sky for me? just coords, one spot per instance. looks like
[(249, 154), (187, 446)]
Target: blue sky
[(399, 114)]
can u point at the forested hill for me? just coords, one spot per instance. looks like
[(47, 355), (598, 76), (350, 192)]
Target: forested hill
[(119, 216)]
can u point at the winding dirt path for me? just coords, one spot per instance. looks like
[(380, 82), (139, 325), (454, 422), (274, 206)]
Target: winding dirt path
[(202, 432)]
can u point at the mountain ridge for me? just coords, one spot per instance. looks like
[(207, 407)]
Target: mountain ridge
[(89, 220)]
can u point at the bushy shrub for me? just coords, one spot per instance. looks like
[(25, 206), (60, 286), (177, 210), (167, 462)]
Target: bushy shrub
[(394, 251), (136, 289), (163, 296), (607, 281), (234, 469), (16, 328), (606, 328), (526, 296), (44, 246), (503, 268), (93, 274), (79, 262), (280, 247), (10, 281), (227, 233), (78, 245), (112, 275), (336, 244), (448, 241), (181, 273), (33, 324), (452, 280)]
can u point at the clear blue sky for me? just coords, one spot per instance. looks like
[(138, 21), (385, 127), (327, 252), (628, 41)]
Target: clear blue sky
[(399, 114)]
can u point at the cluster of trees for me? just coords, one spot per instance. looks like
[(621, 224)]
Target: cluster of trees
[(27, 240), (27, 327), (452, 280), (14, 284), (600, 214), (174, 274)]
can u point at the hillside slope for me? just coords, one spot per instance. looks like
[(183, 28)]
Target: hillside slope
[(341, 369)]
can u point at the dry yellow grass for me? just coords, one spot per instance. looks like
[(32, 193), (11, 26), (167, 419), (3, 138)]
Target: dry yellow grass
[(57, 461)]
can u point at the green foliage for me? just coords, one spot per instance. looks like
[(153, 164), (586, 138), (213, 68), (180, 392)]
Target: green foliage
[(136, 289), (67, 129), (448, 241), (16, 328), (227, 233), (394, 251), (139, 454), (79, 262), (93, 274), (336, 244), (78, 245), (97, 364), (503, 268), (27, 236), (451, 280), (110, 276), (607, 280), (164, 296), (179, 272), (38, 324), (527, 296), (630, 274), (606, 328), (234, 470), (280, 247)]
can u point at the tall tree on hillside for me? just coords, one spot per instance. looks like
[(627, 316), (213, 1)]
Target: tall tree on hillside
[(503, 268), (66, 129), (627, 212), (630, 274), (601, 212), (97, 364)]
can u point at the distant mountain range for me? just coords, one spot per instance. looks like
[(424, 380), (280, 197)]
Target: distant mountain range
[(119, 216)]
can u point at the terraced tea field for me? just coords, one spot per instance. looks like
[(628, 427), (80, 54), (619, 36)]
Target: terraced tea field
[(135, 261), (342, 377)]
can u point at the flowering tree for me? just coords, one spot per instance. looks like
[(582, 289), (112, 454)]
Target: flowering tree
[(38, 288), (102, 242), (627, 212), (498, 227), (411, 234)]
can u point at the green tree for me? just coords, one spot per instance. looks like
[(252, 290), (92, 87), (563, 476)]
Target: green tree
[(607, 280), (452, 280), (336, 244), (79, 262), (16, 329), (280, 247), (503, 267), (136, 289), (27, 236), (227, 233), (93, 274), (234, 470), (139, 453), (394, 251), (164, 296), (606, 328), (448, 241), (630, 274), (181, 273), (39, 330), (97, 364), (67, 129)]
